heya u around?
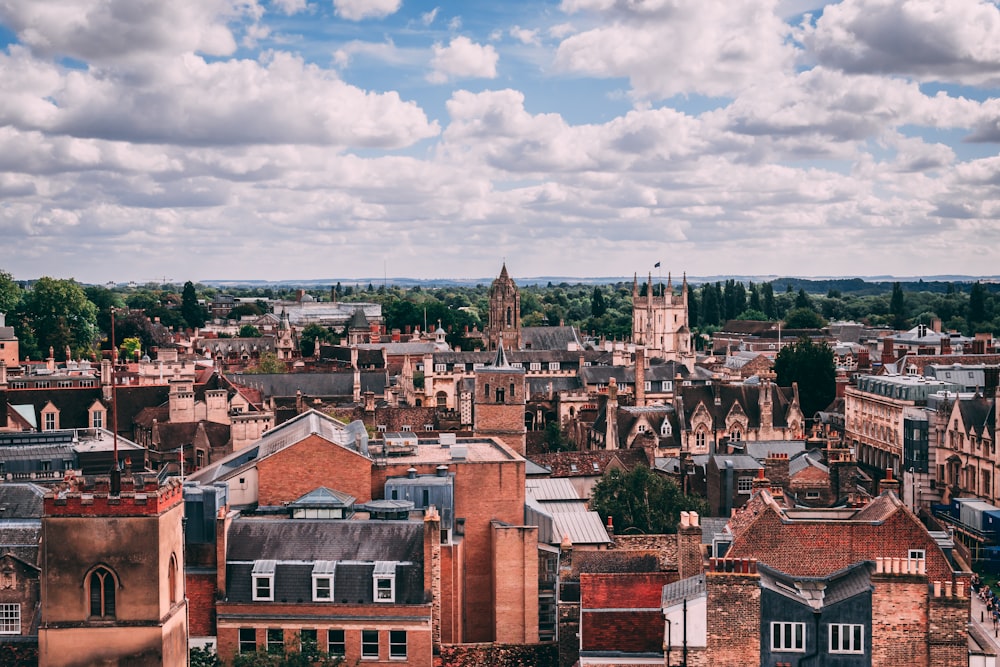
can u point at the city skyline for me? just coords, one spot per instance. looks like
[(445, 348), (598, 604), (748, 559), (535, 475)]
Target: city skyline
[(299, 140)]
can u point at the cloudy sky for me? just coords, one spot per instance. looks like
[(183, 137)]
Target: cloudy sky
[(311, 139)]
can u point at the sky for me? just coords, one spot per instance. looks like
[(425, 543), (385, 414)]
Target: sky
[(143, 140)]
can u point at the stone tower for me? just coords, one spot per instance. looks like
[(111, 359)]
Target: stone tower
[(499, 402), (660, 323), (505, 313), (112, 590)]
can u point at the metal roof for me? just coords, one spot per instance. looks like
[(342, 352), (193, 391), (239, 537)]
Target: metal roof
[(552, 488), (581, 527)]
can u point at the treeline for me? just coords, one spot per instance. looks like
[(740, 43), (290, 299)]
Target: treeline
[(58, 314)]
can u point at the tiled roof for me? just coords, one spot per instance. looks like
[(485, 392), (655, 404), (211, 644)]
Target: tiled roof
[(21, 538), (589, 463), (550, 338), (312, 384)]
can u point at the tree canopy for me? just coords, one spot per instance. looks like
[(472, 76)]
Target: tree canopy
[(642, 501), (811, 365), (59, 315)]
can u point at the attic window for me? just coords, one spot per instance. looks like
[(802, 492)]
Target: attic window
[(665, 429), (407, 428), (381, 428), (535, 366), (384, 581), (597, 468), (263, 580), (322, 580), (572, 467)]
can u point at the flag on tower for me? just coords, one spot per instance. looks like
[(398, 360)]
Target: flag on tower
[(656, 266)]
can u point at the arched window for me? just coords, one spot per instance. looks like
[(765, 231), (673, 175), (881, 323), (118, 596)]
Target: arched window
[(103, 586), (172, 579), (487, 392), (735, 436), (499, 398), (510, 317)]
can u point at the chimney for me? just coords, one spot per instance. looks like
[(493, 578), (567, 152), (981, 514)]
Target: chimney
[(610, 527), (761, 481), (888, 351), (889, 483), (689, 554), (945, 345), (640, 376), (432, 570), (611, 416)]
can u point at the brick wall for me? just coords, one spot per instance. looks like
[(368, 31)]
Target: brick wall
[(899, 621), (515, 592), (733, 619), (948, 633), (665, 546), (311, 463), (638, 626), (201, 592)]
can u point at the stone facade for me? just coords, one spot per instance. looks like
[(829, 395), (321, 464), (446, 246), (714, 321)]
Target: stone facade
[(504, 325)]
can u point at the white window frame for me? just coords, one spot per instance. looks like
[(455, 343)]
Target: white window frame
[(97, 419), (364, 645), (10, 618), (794, 633), (440, 368), (917, 554), (535, 366), (553, 365), (406, 428), (243, 644), (262, 577), (667, 385), (49, 419), (381, 428), (744, 485), (648, 385), (385, 571), (847, 635), (323, 573), (665, 430)]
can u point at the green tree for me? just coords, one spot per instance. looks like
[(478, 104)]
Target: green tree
[(191, 310), (10, 293), (555, 439), (311, 335), (203, 656), (60, 316), (244, 309), (802, 300), (268, 363), (130, 348), (598, 305), (812, 367), (104, 300), (752, 314), (249, 331), (977, 305), (767, 301), (803, 318), (642, 500), (897, 307)]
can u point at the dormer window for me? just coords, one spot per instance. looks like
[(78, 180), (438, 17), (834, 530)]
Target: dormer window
[(384, 581), (665, 429), (263, 580), (322, 580)]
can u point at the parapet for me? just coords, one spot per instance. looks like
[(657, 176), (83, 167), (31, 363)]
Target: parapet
[(733, 565), (140, 496)]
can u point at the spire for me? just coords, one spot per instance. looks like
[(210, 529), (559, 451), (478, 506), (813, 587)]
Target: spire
[(503, 272), (501, 359), (684, 289), (649, 288), (635, 285), (670, 282)]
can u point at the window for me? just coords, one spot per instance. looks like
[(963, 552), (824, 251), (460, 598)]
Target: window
[(553, 365), (440, 368), (50, 421), (699, 439), (97, 419), (172, 579), (735, 436), (369, 644), (102, 593), (384, 579), (322, 576), (666, 385), (535, 366), (407, 428), (428, 427), (847, 638), (64, 384), (500, 396), (335, 644), (641, 428), (744, 485), (275, 640), (10, 621), (812, 495), (788, 636), (665, 428), (381, 428), (308, 642), (263, 580), (917, 554), (397, 643), (248, 640)]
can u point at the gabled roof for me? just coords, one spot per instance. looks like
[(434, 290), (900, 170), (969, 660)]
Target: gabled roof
[(590, 463), (818, 592), (684, 589), (550, 338)]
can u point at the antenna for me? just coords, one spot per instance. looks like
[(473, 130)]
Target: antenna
[(116, 471)]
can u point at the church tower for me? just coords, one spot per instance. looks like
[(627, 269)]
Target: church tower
[(112, 584), (499, 402), (660, 322), (505, 313)]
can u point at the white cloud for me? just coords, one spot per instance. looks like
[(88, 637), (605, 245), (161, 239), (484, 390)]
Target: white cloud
[(463, 58), (524, 35), (931, 40), (667, 47), (427, 18), (105, 31), (358, 10), (290, 7)]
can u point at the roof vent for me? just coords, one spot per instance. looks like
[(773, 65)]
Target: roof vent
[(442, 470), (411, 473)]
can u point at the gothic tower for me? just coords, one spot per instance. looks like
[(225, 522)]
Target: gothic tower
[(505, 313), (499, 402), (113, 578), (660, 322)]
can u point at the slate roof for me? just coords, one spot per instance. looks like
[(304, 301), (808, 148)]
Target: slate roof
[(839, 586), (21, 538), (312, 384), (21, 500), (550, 338), (978, 415), (298, 545), (684, 589), (748, 397)]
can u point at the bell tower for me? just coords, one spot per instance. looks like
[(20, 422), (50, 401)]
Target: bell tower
[(505, 313), (499, 402)]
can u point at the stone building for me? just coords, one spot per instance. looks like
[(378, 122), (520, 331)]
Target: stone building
[(660, 322), (504, 324)]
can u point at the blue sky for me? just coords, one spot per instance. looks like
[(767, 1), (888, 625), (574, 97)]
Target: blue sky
[(301, 139)]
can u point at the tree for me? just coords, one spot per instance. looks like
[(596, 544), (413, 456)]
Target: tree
[(203, 656), (802, 300), (192, 311), (897, 307), (598, 305), (812, 367), (803, 318), (642, 500), (104, 300), (249, 331), (555, 439), (248, 309), (977, 305), (10, 293), (60, 316), (131, 348), (311, 335), (767, 301), (268, 363)]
